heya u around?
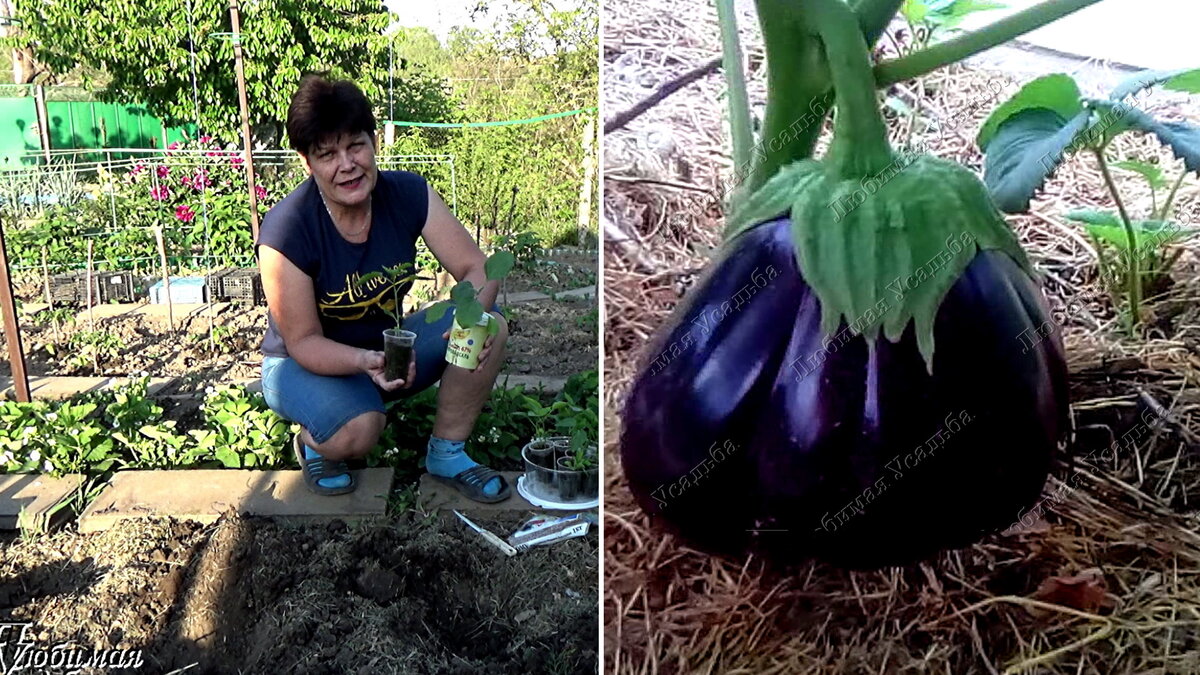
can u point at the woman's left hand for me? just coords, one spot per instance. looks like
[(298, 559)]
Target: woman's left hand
[(483, 353)]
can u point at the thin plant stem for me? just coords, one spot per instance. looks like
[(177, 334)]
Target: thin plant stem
[(1166, 208), (739, 103), (968, 44), (1135, 277)]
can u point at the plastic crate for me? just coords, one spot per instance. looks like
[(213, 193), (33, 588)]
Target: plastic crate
[(214, 284), (244, 287), (112, 286), (66, 287), (184, 291)]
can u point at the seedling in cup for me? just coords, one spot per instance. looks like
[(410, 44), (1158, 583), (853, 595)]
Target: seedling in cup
[(397, 343), (472, 325)]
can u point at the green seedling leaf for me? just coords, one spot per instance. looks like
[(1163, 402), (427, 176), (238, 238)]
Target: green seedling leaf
[(1057, 93), (462, 291), (1094, 217), (369, 277), (1026, 149), (1150, 172), (498, 265), (1188, 81), (468, 313), (1144, 80), (1113, 235)]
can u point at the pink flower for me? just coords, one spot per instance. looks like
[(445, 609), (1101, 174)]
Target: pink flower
[(199, 181), (161, 193), (184, 213), (260, 192), (173, 146), (237, 161), (162, 170), (206, 139)]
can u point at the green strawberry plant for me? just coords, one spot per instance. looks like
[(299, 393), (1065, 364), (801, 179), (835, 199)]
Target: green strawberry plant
[(1027, 137)]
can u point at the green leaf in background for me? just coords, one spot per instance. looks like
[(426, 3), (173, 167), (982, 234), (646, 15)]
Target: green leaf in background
[(1025, 150), (498, 265), (1150, 172), (1143, 80), (1188, 81), (1057, 93), (914, 10), (1094, 217)]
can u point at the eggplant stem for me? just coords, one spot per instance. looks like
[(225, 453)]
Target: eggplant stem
[(1166, 207), (968, 44), (739, 104), (860, 140)]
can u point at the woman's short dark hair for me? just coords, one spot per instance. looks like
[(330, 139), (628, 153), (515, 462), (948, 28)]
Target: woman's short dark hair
[(322, 107)]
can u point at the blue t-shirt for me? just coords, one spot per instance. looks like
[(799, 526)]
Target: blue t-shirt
[(300, 228)]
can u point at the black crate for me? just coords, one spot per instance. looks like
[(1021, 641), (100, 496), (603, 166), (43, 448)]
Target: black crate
[(112, 286), (66, 287), (244, 287), (215, 284)]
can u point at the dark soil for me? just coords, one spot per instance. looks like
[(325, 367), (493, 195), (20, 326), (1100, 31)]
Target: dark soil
[(414, 594)]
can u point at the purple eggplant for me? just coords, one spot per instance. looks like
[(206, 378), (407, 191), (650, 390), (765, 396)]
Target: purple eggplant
[(750, 426)]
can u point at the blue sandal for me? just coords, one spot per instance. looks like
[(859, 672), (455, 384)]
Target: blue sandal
[(471, 482), (317, 469)]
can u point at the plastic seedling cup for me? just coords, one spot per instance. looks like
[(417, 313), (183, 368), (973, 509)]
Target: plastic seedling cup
[(397, 352), (570, 482), (466, 343)]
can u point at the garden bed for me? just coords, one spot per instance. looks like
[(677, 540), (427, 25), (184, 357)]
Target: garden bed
[(549, 337), (411, 594)]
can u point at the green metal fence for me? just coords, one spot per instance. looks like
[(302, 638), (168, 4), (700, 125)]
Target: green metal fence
[(75, 125)]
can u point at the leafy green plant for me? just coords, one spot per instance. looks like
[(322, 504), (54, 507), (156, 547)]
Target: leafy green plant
[(464, 297), (240, 430), (1028, 136), (397, 276), (524, 246), (93, 346)]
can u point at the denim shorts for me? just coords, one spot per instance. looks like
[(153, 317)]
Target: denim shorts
[(322, 404)]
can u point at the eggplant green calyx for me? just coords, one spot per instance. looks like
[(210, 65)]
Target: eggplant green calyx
[(880, 237)]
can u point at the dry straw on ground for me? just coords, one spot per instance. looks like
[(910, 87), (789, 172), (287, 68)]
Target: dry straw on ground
[(669, 609)]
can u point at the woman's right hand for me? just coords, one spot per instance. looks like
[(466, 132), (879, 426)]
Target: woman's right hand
[(372, 363)]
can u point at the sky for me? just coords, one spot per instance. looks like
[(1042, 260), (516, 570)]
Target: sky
[(440, 16)]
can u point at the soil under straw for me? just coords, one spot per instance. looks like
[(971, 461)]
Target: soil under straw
[(670, 609), (417, 594)]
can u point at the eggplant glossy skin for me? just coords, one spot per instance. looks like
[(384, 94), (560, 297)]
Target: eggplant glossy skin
[(745, 432)]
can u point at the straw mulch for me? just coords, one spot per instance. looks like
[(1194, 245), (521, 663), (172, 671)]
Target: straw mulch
[(1129, 532)]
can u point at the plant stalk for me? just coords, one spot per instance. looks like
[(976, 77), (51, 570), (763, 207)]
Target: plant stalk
[(1166, 207), (860, 140), (968, 44), (1135, 276), (739, 103)]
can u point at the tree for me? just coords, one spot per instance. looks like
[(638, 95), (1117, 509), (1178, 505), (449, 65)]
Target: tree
[(168, 54)]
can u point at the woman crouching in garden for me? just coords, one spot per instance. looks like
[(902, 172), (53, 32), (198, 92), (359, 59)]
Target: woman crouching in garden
[(323, 367)]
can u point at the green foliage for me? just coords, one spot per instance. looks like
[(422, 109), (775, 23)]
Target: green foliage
[(201, 202), (240, 431), (396, 276), (464, 297), (1027, 137), (145, 52), (524, 247), (119, 428), (931, 20)]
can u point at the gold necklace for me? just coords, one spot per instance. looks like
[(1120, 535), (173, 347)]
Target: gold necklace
[(334, 220)]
